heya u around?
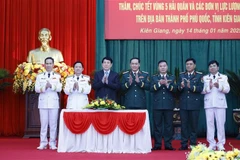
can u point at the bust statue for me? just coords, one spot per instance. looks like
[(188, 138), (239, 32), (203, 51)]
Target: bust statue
[(38, 55)]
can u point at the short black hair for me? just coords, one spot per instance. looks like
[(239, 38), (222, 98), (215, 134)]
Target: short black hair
[(49, 58), (135, 58), (212, 62), (191, 59), (78, 62), (162, 61), (107, 58)]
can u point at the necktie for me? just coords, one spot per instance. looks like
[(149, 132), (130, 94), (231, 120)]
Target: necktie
[(134, 74), (77, 78), (214, 77), (48, 75), (189, 76), (106, 74)]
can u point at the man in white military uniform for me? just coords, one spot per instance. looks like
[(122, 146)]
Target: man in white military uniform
[(77, 88), (215, 87), (48, 84)]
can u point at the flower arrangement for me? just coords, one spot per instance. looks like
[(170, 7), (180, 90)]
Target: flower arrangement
[(201, 152), (26, 73), (104, 103)]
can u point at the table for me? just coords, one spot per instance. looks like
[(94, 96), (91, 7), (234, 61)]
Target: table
[(113, 137)]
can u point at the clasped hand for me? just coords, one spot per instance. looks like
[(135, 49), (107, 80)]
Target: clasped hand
[(48, 85), (131, 79), (75, 86), (183, 84), (211, 84), (105, 79), (164, 82)]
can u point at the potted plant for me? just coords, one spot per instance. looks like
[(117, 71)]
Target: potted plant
[(234, 82), (3, 75)]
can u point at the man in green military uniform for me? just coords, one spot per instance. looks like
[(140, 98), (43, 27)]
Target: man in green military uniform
[(163, 86), (190, 85), (134, 83)]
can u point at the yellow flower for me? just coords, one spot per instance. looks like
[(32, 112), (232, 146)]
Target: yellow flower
[(200, 152), (34, 74), (26, 73), (236, 152), (102, 102), (36, 66)]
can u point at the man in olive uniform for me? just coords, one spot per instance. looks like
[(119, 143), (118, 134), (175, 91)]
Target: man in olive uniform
[(163, 86), (134, 83), (190, 85)]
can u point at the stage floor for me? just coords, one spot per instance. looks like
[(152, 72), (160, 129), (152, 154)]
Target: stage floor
[(25, 149)]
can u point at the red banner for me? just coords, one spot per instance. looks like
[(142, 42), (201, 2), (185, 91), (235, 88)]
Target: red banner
[(176, 19)]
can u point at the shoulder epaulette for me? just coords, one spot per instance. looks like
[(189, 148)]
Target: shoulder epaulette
[(125, 72), (87, 76), (182, 72), (219, 74), (145, 72), (198, 72)]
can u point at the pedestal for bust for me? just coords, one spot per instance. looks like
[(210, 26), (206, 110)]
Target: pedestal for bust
[(176, 124), (236, 118), (32, 118)]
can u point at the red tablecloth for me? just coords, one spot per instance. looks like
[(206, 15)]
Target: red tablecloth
[(104, 122)]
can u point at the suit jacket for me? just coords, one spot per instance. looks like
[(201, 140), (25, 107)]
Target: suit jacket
[(135, 96), (48, 98), (163, 96), (106, 90), (215, 97), (77, 99), (191, 98)]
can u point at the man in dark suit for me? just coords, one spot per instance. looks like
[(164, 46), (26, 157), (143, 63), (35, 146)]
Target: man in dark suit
[(106, 82), (134, 83), (163, 86), (190, 85)]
